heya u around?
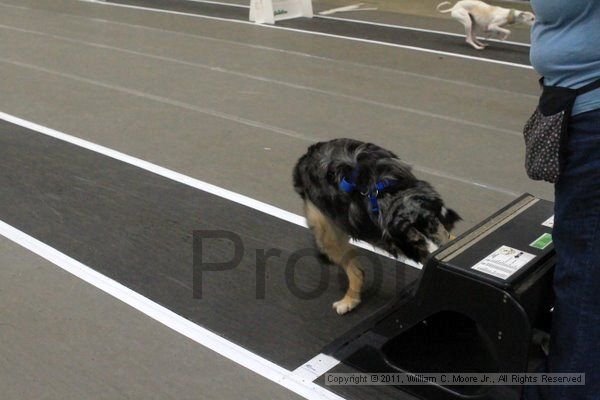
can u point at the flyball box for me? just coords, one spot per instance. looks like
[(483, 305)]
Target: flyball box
[(475, 308)]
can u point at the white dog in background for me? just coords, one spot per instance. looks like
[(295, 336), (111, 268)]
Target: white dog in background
[(479, 16)]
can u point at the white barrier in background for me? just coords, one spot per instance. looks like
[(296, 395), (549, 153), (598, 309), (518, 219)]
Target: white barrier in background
[(269, 11)]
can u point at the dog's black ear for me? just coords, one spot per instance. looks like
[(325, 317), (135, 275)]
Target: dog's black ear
[(403, 237), (448, 217)]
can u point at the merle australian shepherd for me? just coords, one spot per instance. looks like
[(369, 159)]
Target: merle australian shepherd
[(360, 190)]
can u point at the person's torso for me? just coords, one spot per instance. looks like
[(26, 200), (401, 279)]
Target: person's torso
[(565, 46)]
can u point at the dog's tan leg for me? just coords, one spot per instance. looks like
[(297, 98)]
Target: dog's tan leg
[(333, 242), (473, 41), (462, 16), (475, 31)]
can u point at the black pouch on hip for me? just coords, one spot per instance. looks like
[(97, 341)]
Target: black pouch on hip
[(546, 131)]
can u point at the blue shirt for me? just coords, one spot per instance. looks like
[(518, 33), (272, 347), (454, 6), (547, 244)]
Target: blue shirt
[(565, 46)]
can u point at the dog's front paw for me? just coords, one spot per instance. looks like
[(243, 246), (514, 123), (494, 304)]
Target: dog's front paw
[(346, 304)]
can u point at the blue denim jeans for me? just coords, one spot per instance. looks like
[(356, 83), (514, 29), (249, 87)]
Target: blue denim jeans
[(575, 336)]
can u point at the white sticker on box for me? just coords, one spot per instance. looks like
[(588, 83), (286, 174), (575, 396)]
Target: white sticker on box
[(504, 262), (549, 222)]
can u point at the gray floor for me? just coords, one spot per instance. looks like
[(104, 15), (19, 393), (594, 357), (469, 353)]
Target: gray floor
[(207, 105), (235, 104), (61, 338), (504, 52)]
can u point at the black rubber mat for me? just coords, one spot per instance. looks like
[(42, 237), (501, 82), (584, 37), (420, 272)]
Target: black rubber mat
[(432, 41), (137, 228)]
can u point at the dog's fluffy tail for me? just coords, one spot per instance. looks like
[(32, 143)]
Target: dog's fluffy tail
[(447, 10)]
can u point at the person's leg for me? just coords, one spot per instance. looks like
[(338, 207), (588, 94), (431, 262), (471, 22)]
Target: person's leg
[(575, 336)]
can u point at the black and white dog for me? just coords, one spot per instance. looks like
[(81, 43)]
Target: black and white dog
[(360, 190)]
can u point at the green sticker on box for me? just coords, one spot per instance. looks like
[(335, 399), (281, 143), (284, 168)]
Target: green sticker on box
[(542, 242)]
